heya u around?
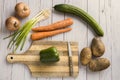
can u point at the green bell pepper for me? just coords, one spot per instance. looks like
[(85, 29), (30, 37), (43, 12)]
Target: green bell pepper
[(49, 55)]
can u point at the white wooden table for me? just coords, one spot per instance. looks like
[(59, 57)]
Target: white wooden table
[(106, 12)]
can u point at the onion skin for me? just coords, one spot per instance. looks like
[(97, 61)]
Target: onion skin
[(12, 23), (22, 10)]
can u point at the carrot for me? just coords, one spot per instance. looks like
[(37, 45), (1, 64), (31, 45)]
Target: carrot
[(54, 26), (40, 35)]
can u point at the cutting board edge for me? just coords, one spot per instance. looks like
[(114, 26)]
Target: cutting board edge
[(65, 76)]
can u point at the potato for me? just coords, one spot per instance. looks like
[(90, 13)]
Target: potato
[(97, 47), (99, 64), (85, 56)]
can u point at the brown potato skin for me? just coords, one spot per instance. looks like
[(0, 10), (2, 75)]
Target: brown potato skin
[(85, 56), (22, 10), (99, 64), (12, 23), (97, 47)]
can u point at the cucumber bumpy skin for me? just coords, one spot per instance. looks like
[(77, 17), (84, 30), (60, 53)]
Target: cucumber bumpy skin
[(66, 8)]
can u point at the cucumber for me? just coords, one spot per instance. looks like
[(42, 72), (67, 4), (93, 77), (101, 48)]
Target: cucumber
[(66, 8)]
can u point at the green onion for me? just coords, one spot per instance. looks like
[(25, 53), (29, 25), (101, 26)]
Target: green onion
[(19, 37)]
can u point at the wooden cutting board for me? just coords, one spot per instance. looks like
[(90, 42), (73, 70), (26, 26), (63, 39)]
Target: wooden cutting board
[(59, 69)]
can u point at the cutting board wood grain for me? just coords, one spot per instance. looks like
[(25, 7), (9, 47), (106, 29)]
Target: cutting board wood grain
[(58, 69)]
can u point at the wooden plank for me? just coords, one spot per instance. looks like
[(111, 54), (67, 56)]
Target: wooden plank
[(6, 10), (91, 34), (15, 58), (45, 5), (22, 69), (71, 36), (61, 48), (52, 75), (105, 21), (48, 69), (57, 16), (79, 34), (93, 10), (34, 7), (115, 39), (82, 38), (1, 9), (53, 42), (62, 53)]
